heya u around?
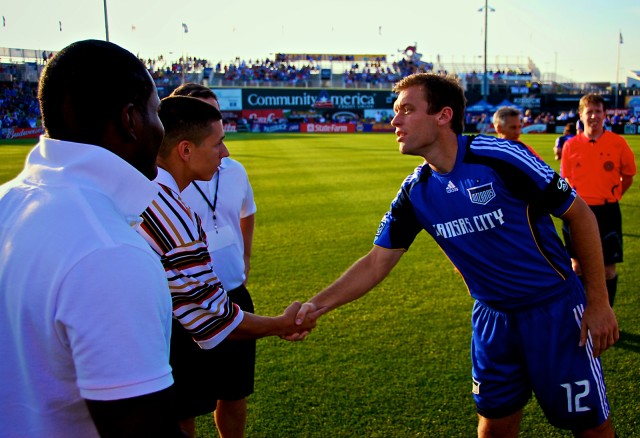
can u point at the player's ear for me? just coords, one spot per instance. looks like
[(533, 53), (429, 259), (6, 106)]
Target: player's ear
[(185, 149), (445, 116)]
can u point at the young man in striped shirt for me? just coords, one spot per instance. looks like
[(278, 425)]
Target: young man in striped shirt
[(192, 149)]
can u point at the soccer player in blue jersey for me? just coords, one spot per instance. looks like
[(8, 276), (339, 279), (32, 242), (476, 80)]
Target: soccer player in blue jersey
[(487, 203)]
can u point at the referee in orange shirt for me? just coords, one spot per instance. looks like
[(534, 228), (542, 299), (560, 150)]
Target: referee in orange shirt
[(600, 166)]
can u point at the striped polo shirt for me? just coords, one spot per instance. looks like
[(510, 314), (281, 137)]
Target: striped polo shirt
[(175, 233)]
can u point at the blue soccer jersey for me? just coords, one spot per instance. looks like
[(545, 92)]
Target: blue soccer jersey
[(491, 217)]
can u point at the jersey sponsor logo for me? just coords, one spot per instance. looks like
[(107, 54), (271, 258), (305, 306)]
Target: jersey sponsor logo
[(383, 223), (608, 166), (468, 225), (451, 187), (563, 185), (482, 194)]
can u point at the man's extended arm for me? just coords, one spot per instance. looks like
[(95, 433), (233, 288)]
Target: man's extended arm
[(359, 279), (257, 326)]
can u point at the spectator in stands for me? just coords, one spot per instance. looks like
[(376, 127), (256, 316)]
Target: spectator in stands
[(616, 119), (483, 123), (600, 166), (85, 315), (19, 105), (507, 121), (569, 132)]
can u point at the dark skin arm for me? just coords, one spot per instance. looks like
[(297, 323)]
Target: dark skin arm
[(148, 415)]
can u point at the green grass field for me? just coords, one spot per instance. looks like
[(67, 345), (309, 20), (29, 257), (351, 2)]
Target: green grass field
[(396, 362)]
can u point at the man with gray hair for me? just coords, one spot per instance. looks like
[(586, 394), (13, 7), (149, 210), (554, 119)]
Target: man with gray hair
[(507, 121)]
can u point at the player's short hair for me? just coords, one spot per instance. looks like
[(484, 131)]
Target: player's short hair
[(86, 85), (590, 99), (501, 115), (439, 91), (194, 90), (185, 118)]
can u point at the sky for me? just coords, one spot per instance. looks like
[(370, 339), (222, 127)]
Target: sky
[(578, 40)]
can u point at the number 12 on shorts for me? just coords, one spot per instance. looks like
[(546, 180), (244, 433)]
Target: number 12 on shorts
[(573, 402)]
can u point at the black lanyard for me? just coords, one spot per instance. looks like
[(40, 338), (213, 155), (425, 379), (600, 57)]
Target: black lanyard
[(215, 199)]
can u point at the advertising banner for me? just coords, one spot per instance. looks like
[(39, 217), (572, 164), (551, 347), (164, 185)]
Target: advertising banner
[(22, 132), (273, 127), (230, 127), (320, 99), (382, 127), (230, 99), (263, 115), (327, 127)]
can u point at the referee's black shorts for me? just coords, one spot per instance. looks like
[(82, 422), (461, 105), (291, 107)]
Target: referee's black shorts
[(610, 225)]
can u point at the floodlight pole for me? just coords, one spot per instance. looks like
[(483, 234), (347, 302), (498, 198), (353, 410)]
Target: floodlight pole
[(485, 79), (106, 21), (618, 74)]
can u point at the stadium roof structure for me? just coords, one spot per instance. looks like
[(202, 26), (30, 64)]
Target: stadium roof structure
[(23, 55), (633, 78), (507, 102), (482, 106), (330, 57)]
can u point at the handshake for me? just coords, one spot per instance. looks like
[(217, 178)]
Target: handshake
[(299, 319)]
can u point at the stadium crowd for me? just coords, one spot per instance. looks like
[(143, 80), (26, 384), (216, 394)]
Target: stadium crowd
[(165, 72), (19, 107), (268, 70)]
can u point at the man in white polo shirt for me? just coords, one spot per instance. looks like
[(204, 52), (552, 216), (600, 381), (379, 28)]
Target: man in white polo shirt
[(85, 311)]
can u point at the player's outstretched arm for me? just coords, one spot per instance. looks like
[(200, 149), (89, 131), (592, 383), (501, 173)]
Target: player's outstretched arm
[(359, 279), (598, 318)]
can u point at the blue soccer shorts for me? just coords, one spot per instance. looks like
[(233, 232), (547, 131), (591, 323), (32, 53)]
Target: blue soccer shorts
[(536, 350)]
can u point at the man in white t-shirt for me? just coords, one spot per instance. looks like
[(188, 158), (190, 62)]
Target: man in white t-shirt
[(85, 314)]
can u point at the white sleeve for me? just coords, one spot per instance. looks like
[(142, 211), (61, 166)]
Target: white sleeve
[(114, 313), (248, 202)]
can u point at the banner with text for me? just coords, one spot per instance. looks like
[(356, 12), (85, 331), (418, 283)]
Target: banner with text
[(318, 99), (320, 128)]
